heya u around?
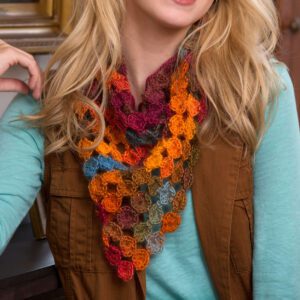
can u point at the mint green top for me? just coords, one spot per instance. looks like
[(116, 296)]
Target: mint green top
[(180, 272)]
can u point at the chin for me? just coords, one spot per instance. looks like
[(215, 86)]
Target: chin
[(176, 19), (169, 13)]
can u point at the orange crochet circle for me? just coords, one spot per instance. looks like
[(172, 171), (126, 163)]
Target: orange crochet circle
[(170, 222), (118, 80), (131, 157), (166, 167), (174, 147), (83, 144), (177, 125), (153, 161), (190, 128), (97, 189), (113, 177), (140, 259), (193, 106), (103, 148), (115, 153), (176, 103), (112, 203), (127, 245)]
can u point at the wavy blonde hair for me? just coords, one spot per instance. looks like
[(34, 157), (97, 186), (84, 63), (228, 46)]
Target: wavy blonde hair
[(233, 46)]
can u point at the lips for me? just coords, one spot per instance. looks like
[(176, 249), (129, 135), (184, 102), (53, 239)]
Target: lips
[(184, 2)]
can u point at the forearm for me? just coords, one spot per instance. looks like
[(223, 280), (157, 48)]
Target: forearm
[(21, 168)]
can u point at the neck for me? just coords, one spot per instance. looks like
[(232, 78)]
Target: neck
[(146, 44)]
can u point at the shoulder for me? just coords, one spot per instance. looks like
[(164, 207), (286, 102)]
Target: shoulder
[(286, 83), (284, 99), (282, 128)]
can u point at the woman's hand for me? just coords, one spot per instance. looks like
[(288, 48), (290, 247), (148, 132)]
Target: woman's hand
[(10, 56)]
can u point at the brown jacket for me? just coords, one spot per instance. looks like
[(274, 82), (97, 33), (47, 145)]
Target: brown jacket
[(222, 194)]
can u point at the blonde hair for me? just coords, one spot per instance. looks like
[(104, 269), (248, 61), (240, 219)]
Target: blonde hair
[(232, 44)]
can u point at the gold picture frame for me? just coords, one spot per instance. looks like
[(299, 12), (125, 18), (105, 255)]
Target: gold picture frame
[(36, 26)]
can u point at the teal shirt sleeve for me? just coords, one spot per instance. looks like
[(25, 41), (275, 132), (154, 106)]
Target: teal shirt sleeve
[(276, 260), (21, 166)]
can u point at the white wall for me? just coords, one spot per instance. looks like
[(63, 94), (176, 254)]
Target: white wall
[(20, 73)]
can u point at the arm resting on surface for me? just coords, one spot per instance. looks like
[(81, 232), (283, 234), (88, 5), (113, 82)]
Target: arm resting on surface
[(21, 166)]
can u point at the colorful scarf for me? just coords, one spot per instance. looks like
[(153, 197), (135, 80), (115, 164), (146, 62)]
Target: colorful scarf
[(140, 172)]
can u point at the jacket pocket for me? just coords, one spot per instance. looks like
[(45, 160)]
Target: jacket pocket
[(241, 243), (73, 229)]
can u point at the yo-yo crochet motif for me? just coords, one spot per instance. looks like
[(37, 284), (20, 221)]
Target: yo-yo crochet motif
[(140, 172)]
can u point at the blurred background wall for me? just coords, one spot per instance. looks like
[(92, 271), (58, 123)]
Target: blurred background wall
[(289, 47)]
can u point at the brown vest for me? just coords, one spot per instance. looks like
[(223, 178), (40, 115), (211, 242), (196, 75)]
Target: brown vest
[(222, 194)]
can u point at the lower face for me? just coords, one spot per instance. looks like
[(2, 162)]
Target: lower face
[(171, 13)]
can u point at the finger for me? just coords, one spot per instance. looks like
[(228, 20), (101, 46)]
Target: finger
[(13, 85), (34, 72), (37, 91), (35, 79), (33, 69)]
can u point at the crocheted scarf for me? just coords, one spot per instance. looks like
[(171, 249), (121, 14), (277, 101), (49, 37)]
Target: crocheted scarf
[(140, 172)]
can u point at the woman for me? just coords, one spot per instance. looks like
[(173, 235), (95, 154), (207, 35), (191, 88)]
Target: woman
[(155, 135)]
